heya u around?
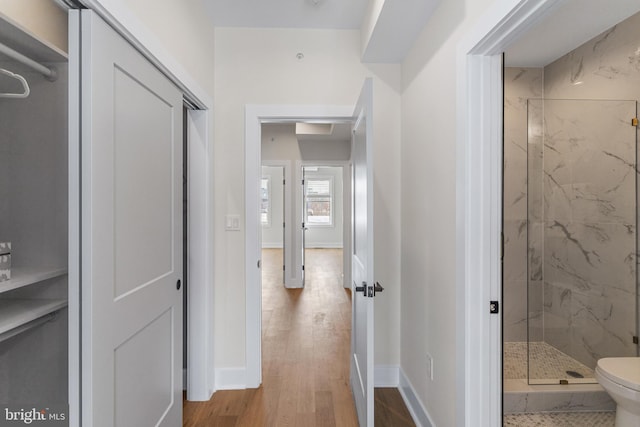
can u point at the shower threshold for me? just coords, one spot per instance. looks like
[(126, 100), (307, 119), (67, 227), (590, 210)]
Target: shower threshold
[(544, 393), (547, 365)]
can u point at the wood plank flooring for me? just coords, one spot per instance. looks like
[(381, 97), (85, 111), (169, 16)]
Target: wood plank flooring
[(305, 361)]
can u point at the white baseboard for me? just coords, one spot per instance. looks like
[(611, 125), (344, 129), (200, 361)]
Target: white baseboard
[(416, 408), (266, 245), (310, 245), (231, 379), (386, 375), (293, 284)]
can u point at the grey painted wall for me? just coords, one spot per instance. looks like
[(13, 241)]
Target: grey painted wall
[(33, 216)]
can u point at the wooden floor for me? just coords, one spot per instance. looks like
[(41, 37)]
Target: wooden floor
[(305, 357)]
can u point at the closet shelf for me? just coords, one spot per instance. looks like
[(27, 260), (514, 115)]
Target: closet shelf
[(15, 313), (28, 276)]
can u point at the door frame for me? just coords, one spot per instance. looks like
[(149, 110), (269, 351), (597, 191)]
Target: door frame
[(201, 381), (255, 116), (478, 200)]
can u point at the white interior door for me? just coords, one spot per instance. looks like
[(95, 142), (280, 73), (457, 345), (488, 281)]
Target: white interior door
[(131, 215), (362, 260)]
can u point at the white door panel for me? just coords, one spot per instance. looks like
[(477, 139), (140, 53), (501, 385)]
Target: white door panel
[(131, 141), (143, 369), (143, 214), (362, 259)]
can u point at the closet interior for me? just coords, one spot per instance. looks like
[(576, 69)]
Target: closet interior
[(33, 219)]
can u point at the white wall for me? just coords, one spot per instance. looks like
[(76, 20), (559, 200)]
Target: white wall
[(428, 309), (185, 31), (259, 66)]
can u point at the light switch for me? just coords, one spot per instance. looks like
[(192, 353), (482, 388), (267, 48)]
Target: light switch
[(232, 222)]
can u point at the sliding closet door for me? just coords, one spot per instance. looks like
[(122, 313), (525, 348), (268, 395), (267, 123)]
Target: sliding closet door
[(131, 234)]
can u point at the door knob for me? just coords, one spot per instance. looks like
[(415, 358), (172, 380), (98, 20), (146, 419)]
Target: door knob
[(362, 288)]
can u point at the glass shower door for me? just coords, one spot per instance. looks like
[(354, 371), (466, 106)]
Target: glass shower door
[(582, 237)]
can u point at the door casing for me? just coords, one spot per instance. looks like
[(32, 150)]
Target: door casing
[(255, 115)]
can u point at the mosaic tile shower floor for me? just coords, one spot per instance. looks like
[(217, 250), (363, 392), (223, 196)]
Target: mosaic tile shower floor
[(547, 362), (561, 419)]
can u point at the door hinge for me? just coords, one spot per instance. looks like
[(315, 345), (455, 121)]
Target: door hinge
[(502, 245), (635, 340), (494, 307), (283, 268), (303, 268), (634, 122), (303, 225)]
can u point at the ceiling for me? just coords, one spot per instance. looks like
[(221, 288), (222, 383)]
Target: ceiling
[(400, 22), (326, 14), (554, 35), (388, 27), (338, 132)]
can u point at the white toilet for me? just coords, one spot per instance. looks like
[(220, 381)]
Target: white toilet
[(620, 377)]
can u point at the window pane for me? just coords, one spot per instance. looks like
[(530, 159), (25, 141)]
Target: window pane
[(319, 210), (318, 201), (318, 187)]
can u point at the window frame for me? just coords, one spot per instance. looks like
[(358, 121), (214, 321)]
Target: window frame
[(331, 197)]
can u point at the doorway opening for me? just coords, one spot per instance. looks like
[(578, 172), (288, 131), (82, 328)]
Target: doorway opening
[(258, 118), (306, 311), (289, 153), (563, 126), (323, 217), (361, 379), (480, 181)]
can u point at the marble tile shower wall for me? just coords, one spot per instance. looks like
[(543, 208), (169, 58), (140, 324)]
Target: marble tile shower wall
[(581, 204), (589, 241), (590, 260)]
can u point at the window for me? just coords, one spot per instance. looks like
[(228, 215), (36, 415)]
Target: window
[(265, 202), (319, 201)]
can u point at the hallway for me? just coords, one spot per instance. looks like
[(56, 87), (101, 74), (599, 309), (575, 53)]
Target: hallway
[(306, 345)]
